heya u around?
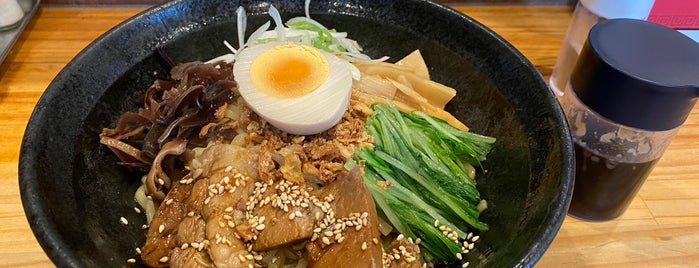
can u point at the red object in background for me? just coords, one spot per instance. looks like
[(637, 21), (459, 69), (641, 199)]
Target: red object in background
[(676, 14)]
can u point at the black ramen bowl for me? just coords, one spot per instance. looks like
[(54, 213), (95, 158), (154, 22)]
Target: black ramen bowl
[(74, 193)]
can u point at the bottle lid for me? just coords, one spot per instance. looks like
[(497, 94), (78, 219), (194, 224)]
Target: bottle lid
[(638, 73), (613, 9)]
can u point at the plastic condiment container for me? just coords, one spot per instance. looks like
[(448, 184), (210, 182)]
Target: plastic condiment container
[(633, 86), (588, 13)]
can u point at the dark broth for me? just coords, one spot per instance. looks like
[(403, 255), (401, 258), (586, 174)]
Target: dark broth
[(604, 188)]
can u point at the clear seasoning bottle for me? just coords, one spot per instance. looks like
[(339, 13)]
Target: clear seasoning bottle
[(588, 13), (633, 86)]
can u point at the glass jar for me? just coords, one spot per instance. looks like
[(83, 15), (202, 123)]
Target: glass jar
[(587, 13), (632, 87), (612, 160)]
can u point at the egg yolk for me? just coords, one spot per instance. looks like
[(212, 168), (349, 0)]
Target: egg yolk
[(289, 71)]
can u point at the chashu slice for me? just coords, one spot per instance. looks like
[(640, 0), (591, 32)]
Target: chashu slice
[(350, 197)]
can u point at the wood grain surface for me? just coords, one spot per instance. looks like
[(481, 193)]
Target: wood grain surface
[(661, 229)]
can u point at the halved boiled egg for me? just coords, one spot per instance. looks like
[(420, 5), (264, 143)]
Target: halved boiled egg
[(296, 88)]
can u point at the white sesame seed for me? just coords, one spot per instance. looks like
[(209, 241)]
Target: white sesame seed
[(164, 259), (123, 221), (144, 227), (138, 250), (326, 240), (131, 261), (169, 201), (137, 210), (260, 227), (292, 216), (161, 228), (161, 181), (364, 246), (475, 238), (465, 264), (458, 256)]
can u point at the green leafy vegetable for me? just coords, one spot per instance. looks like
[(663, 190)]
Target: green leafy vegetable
[(304, 25), (324, 38), (417, 177)]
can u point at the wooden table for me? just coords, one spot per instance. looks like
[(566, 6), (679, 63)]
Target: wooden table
[(661, 229)]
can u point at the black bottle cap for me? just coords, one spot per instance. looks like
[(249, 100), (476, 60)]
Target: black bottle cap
[(637, 73)]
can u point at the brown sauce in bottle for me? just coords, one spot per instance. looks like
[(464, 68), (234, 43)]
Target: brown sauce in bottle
[(604, 188)]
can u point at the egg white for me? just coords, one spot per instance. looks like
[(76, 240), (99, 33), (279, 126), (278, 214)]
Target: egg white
[(310, 114)]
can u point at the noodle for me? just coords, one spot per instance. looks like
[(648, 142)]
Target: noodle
[(144, 201)]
